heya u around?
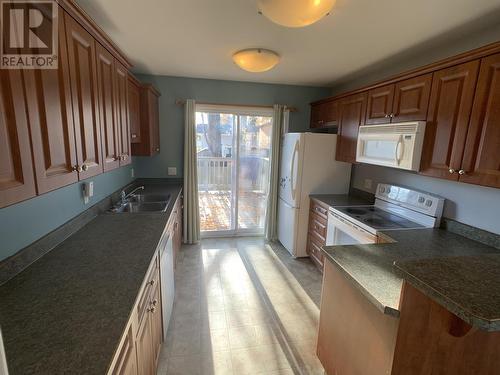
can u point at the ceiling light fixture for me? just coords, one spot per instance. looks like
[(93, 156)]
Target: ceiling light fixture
[(295, 13), (256, 60)]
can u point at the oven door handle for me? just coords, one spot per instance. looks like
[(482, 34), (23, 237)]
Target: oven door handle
[(354, 231)]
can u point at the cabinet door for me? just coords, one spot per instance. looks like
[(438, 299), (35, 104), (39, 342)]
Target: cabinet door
[(17, 182), (121, 112), (379, 105), (126, 363), (352, 114), (448, 119), (481, 161), (411, 99), (83, 76), (134, 105), (48, 96), (106, 96), (156, 325), (144, 346), (324, 114)]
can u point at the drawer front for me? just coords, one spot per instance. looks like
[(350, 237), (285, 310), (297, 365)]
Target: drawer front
[(314, 250), (319, 208), (152, 279), (317, 226)]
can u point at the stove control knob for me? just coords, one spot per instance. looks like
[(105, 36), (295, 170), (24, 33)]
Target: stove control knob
[(421, 199), (428, 203)]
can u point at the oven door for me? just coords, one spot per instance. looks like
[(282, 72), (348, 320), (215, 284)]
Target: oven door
[(342, 232)]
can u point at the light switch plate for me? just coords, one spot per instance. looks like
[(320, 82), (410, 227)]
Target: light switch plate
[(132, 173), (172, 171)]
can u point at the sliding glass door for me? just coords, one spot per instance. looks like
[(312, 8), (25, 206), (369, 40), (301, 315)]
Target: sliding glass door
[(233, 150)]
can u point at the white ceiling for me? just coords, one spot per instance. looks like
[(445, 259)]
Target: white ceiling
[(196, 38)]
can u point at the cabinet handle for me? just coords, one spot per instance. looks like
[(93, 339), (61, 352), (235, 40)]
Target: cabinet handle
[(151, 282), (157, 149), (124, 157), (451, 170), (152, 309), (77, 168), (391, 115), (154, 302), (386, 115), (116, 158), (461, 172), (85, 167)]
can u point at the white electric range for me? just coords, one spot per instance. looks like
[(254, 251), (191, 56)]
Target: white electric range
[(395, 208)]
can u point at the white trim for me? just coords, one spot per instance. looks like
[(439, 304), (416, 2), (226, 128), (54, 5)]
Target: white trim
[(236, 110)]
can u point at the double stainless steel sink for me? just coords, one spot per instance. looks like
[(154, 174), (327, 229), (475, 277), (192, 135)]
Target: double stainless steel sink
[(136, 203)]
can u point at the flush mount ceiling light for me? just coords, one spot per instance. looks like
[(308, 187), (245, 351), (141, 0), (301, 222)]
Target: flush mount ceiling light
[(256, 60), (295, 13)]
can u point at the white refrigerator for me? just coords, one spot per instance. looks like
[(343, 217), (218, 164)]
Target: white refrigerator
[(308, 166)]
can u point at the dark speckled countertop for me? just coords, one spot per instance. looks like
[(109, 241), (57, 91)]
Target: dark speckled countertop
[(460, 274), (65, 313)]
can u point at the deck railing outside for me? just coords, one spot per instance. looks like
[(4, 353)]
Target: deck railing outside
[(215, 173)]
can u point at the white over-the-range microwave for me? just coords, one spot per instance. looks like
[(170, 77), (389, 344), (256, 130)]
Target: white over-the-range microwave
[(391, 145)]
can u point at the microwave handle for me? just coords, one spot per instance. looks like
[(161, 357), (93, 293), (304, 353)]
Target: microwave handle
[(399, 150)]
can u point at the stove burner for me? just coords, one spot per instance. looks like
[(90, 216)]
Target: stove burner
[(356, 211)]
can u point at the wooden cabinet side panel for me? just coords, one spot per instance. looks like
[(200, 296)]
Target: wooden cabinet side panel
[(126, 358), (481, 161), (352, 114), (83, 75), (354, 336), (156, 325), (431, 340), (447, 122), (49, 105), (17, 181), (411, 99)]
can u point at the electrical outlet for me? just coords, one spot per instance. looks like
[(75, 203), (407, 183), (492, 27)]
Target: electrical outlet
[(368, 183), (172, 171)]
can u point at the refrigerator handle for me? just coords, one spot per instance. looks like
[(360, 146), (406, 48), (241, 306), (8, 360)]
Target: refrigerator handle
[(293, 182)]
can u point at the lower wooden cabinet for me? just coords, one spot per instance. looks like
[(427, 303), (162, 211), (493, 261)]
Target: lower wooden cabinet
[(144, 346), (355, 337), (316, 236), (126, 362)]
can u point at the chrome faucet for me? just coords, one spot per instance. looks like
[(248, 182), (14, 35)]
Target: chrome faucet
[(125, 196)]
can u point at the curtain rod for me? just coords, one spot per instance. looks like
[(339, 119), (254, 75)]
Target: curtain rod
[(183, 101)]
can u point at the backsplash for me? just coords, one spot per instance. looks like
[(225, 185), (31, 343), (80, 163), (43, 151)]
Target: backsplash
[(473, 205)]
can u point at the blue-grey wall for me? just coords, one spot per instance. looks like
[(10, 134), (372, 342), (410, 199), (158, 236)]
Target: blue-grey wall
[(25, 222), (214, 91)]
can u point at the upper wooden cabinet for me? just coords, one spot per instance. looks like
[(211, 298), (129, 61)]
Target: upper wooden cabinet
[(83, 78), (411, 99), (352, 111), (16, 171), (481, 161), (149, 123), (134, 105), (407, 100), (448, 120), (121, 110), (379, 105), (49, 105), (324, 114), (107, 103)]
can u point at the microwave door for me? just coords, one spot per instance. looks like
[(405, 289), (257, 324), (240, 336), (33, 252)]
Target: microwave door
[(385, 150)]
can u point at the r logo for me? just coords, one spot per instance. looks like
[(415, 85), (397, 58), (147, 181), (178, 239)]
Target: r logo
[(29, 28)]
